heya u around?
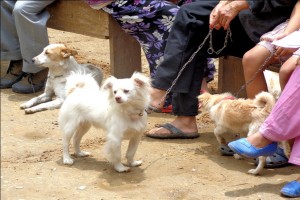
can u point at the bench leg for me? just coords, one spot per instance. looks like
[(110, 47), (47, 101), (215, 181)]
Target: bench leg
[(231, 76), (125, 51)]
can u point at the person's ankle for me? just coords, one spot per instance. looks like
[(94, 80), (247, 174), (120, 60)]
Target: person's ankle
[(157, 97), (258, 140), (186, 123)]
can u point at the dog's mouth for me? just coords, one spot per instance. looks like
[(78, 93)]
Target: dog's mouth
[(39, 64)]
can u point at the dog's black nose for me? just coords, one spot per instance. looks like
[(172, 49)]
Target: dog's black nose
[(118, 99)]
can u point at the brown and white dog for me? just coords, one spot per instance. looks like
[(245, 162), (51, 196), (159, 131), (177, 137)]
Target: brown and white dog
[(61, 62), (243, 116)]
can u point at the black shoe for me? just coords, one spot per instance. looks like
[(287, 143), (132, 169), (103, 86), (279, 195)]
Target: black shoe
[(31, 83), (13, 75)]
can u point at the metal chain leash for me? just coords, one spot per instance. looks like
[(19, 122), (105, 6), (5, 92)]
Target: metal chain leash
[(210, 50), (261, 68)]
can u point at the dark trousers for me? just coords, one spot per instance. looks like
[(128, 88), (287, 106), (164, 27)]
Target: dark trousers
[(189, 29)]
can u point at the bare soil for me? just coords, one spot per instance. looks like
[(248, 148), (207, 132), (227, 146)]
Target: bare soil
[(31, 155)]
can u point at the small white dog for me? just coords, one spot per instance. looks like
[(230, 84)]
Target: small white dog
[(60, 61), (242, 116), (118, 107)]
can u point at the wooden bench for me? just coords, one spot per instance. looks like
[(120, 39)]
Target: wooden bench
[(78, 17), (231, 75), (125, 52)]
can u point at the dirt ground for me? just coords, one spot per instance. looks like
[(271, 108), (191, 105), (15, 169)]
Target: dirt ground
[(31, 156)]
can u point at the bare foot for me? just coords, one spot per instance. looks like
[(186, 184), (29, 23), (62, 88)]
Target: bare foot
[(186, 124)]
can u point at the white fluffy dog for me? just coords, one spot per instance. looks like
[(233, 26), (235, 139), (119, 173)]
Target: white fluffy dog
[(118, 107)]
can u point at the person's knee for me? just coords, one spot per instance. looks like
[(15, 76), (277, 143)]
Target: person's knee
[(248, 58), (284, 73), (18, 9)]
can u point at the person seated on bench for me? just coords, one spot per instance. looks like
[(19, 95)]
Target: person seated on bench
[(149, 22), (23, 36), (255, 57), (192, 25)]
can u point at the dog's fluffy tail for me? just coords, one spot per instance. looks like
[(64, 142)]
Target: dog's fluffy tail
[(77, 81), (265, 101)]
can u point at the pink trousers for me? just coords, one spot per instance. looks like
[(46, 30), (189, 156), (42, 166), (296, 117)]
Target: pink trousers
[(284, 121)]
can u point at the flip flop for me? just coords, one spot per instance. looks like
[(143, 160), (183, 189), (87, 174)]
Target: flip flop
[(278, 159), (226, 151), (291, 189), (175, 133)]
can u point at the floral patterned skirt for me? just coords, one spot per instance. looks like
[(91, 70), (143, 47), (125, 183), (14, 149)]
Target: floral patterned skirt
[(149, 22)]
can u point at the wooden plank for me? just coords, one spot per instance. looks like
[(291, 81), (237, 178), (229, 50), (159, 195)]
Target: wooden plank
[(231, 76), (78, 17), (125, 51)]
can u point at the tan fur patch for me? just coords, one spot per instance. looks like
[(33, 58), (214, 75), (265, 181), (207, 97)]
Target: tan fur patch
[(55, 54)]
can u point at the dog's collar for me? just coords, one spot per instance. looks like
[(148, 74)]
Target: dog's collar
[(53, 77), (138, 115), (229, 98)]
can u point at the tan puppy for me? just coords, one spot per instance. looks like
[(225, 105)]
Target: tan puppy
[(243, 116), (60, 62)]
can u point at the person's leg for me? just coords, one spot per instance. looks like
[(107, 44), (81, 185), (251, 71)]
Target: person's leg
[(150, 27), (282, 123), (10, 47), (286, 71), (254, 77), (182, 43), (30, 20), (178, 50), (189, 30)]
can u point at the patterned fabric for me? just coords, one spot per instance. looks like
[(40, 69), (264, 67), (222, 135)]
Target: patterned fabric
[(149, 22)]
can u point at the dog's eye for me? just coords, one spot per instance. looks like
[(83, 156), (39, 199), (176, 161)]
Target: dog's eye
[(115, 92), (46, 52), (126, 91)]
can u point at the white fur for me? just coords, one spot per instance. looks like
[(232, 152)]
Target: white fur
[(60, 62), (118, 107), (272, 79)]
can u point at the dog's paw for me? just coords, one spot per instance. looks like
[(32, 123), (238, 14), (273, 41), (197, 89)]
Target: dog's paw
[(237, 156), (136, 163), (68, 161), (83, 154), (121, 168), (254, 171), (29, 111), (23, 106)]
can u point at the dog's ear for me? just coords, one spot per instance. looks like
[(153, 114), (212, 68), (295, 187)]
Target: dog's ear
[(108, 83), (140, 79), (66, 53)]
